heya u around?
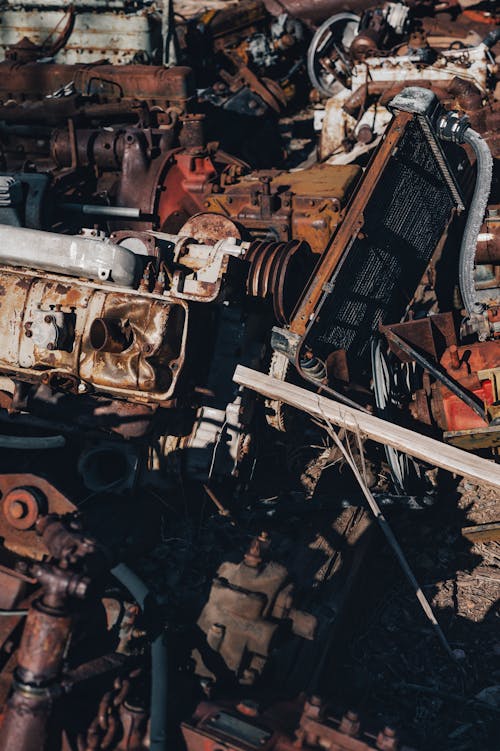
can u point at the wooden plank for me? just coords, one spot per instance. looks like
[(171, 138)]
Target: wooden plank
[(483, 532), (421, 447)]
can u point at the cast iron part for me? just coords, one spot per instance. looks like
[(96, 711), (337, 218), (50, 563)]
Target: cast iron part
[(47, 632)]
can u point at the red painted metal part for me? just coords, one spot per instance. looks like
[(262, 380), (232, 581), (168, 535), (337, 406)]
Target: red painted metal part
[(286, 726), (449, 411), (183, 189)]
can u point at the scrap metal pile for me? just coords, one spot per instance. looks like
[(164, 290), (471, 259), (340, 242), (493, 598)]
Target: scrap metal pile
[(307, 189)]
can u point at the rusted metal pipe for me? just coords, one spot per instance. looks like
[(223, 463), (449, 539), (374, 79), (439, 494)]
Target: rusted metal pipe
[(35, 80), (40, 659)]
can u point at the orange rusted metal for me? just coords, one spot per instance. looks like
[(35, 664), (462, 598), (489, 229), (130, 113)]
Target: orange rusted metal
[(147, 370), (304, 205), (304, 724)]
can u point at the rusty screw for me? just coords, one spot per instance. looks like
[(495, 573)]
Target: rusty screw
[(350, 724)]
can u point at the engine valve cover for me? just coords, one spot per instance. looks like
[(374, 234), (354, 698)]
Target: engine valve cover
[(84, 336)]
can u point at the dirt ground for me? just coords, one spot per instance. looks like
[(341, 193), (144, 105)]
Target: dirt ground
[(395, 666)]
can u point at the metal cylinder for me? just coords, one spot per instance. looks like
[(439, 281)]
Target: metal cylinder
[(113, 212), (103, 467), (315, 10), (25, 724), (73, 255), (278, 271), (97, 146), (43, 645)]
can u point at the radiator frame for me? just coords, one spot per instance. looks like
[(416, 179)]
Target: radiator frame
[(412, 103)]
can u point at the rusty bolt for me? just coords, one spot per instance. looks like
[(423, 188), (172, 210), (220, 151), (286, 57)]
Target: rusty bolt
[(387, 740), (51, 346), (22, 506), (48, 319)]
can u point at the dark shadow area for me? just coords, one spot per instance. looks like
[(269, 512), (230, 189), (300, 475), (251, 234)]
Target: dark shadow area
[(394, 670)]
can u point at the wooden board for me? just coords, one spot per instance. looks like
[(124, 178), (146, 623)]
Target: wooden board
[(421, 447)]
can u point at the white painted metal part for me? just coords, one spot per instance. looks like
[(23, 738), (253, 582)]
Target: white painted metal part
[(470, 64), (107, 32)]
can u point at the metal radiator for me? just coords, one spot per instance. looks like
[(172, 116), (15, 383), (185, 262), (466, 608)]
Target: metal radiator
[(393, 225)]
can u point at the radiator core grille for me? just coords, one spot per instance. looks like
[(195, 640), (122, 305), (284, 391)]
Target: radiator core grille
[(405, 218)]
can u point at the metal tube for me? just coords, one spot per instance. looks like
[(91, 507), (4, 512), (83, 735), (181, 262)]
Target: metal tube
[(159, 677), (73, 255), (121, 212), (484, 167), (35, 443)]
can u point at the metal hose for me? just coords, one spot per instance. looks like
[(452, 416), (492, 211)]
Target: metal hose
[(143, 596), (32, 443), (484, 173)]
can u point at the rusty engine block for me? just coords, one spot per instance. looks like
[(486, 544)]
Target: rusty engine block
[(70, 167)]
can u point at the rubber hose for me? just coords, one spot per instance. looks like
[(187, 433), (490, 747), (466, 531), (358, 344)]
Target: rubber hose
[(140, 592), (32, 443), (484, 173)]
